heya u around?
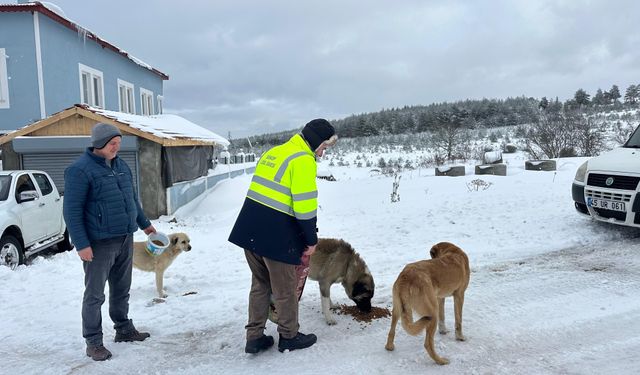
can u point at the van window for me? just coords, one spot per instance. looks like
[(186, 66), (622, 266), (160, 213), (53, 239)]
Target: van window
[(24, 183), (634, 140), (5, 183), (43, 183)]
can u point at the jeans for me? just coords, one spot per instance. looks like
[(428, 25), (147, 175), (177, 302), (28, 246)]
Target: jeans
[(112, 262)]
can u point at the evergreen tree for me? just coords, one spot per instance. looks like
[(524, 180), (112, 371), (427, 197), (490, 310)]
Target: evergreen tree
[(631, 95), (423, 122), (581, 97), (544, 103), (614, 93), (365, 127), (555, 106), (409, 123), (598, 98)]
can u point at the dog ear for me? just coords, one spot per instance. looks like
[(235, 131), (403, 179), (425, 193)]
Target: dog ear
[(434, 251), (174, 240)]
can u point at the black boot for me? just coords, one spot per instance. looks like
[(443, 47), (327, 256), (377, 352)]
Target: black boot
[(256, 345), (131, 336), (98, 352), (300, 341)]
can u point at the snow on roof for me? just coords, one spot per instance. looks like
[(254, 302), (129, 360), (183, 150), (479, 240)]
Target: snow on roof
[(164, 126), (57, 14)]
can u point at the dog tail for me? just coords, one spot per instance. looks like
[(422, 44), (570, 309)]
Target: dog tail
[(411, 327)]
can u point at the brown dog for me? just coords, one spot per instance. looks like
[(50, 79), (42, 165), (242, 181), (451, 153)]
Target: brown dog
[(336, 261), (143, 260), (422, 287)]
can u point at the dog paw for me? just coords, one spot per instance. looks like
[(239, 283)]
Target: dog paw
[(461, 337), (331, 320), (390, 347), (442, 361), (444, 331)]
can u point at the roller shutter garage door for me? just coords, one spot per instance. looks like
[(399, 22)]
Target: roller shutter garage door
[(55, 164), (54, 154)]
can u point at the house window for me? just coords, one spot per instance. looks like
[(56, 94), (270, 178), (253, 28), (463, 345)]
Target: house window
[(4, 80), (160, 103), (146, 98), (125, 97), (91, 87)]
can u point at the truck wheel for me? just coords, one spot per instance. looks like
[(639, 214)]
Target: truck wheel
[(66, 244), (11, 253)]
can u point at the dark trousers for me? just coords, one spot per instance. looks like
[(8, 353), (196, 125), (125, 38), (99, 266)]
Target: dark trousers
[(112, 262), (270, 277)]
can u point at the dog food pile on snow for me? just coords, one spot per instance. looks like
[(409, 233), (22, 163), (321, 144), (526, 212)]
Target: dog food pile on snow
[(360, 316)]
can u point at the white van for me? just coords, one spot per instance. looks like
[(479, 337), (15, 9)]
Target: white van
[(606, 186)]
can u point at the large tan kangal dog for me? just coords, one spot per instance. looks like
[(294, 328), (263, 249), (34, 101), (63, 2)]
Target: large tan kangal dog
[(335, 261), (421, 288), (142, 260)]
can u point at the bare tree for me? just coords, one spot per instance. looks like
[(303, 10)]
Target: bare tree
[(549, 136), (452, 137), (567, 133), (589, 135), (622, 131)]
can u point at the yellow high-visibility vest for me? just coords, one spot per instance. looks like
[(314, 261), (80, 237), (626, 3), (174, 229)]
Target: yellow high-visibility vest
[(285, 179)]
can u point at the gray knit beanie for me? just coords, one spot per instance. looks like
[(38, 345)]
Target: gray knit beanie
[(102, 133)]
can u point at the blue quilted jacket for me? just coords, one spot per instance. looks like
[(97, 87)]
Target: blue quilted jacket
[(100, 201)]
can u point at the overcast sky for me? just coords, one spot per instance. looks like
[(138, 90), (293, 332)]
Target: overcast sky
[(253, 67)]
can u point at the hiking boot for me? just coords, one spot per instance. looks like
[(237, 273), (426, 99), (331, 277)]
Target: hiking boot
[(300, 341), (98, 352), (256, 345), (131, 336)]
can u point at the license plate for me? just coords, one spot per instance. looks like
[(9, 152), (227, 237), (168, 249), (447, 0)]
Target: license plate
[(606, 204)]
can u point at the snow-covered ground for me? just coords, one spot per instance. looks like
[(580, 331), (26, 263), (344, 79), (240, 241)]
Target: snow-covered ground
[(551, 292)]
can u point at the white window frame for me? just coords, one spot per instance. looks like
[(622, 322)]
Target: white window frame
[(146, 102), (4, 81), (160, 104), (128, 103), (95, 86)]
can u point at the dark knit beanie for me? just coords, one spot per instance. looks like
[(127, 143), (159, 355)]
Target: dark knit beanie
[(317, 131), (102, 133)]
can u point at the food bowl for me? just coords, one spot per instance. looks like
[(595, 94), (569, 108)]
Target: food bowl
[(156, 243)]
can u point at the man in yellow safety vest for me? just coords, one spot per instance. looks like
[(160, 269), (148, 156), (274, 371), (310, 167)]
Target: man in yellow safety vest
[(276, 228)]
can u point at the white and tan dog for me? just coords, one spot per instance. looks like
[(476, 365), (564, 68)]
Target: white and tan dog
[(143, 260), (421, 288), (335, 261)]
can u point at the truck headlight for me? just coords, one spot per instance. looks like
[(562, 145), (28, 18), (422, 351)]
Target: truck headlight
[(581, 172)]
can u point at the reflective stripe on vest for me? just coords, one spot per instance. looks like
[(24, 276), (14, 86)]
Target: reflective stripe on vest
[(285, 164)]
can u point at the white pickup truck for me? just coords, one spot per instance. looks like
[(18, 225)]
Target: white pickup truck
[(606, 186), (30, 216)]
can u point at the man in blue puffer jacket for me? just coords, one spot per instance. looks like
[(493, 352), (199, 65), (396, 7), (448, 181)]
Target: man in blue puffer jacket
[(102, 211)]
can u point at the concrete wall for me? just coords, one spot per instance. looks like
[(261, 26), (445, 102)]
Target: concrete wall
[(182, 193), (153, 196), (10, 160)]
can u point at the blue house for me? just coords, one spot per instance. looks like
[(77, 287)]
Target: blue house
[(38, 80), (57, 80)]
